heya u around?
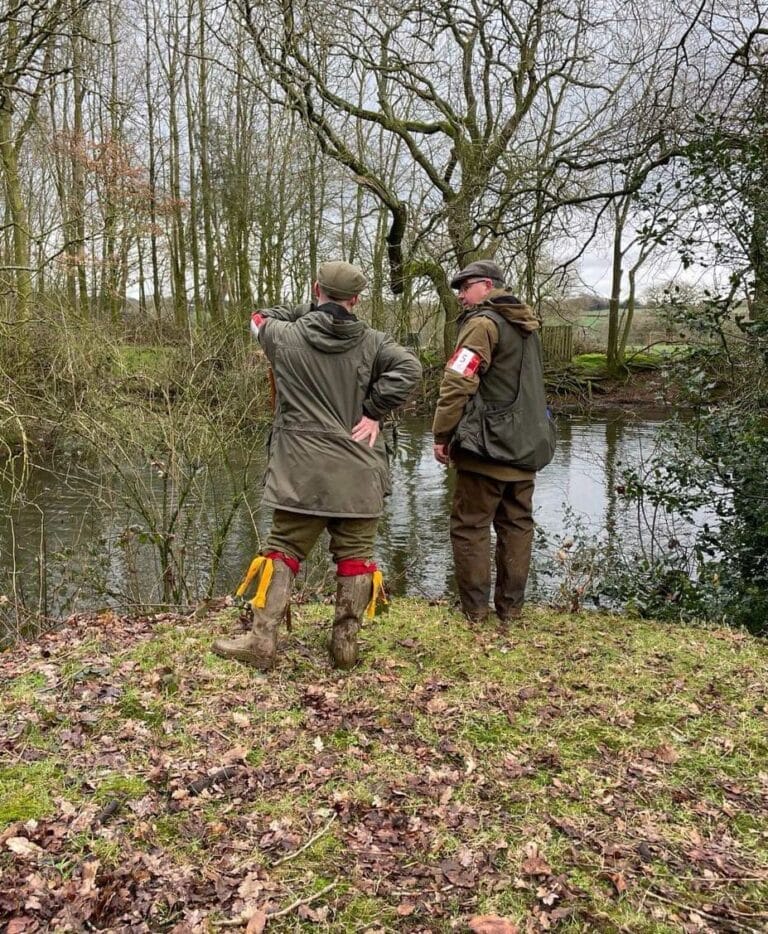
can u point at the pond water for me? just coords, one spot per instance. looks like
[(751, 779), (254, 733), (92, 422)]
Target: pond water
[(80, 542)]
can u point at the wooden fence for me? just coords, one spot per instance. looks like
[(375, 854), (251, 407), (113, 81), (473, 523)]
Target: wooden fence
[(557, 342)]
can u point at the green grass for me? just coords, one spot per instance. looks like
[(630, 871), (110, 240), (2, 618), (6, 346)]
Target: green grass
[(25, 791), (594, 364), (627, 757)]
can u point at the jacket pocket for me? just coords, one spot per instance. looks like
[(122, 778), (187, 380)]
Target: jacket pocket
[(519, 437)]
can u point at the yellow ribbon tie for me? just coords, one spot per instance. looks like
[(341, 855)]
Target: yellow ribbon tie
[(266, 566), (378, 593)]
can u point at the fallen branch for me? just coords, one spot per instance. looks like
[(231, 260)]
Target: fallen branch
[(284, 859), (735, 925), (240, 922), (302, 901)]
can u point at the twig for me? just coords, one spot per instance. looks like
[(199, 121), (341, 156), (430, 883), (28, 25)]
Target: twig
[(736, 925), (284, 859), (239, 922), (302, 901), (730, 879)]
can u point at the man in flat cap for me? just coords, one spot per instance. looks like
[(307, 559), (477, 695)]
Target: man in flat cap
[(335, 379), (492, 424)]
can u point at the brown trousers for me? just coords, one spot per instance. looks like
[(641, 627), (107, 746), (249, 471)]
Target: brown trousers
[(479, 501)]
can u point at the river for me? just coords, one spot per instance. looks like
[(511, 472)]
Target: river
[(78, 541)]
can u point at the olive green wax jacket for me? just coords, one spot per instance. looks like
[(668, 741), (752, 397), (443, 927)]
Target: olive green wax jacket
[(331, 369)]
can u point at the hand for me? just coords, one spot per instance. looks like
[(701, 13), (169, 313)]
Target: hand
[(441, 453), (367, 429)]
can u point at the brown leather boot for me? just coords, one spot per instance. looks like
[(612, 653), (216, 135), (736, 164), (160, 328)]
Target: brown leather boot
[(352, 596), (259, 647)]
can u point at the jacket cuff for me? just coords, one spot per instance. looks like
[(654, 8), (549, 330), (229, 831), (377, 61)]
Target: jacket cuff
[(372, 412)]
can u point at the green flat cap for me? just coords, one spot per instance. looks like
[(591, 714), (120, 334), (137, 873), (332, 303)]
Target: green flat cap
[(480, 269), (341, 280)]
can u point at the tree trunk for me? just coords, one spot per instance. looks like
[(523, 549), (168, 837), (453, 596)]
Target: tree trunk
[(22, 274)]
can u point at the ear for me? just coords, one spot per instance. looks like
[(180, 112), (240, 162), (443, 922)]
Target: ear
[(316, 289), (353, 301)]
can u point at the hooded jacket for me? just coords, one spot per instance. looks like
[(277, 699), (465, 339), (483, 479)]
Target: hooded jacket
[(331, 369)]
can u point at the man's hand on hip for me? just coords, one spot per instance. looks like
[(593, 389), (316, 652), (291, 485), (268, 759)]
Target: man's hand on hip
[(441, 453), (367, 429)]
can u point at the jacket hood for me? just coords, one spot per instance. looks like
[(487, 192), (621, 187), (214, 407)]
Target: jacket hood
[(506, 304), (329, 333)]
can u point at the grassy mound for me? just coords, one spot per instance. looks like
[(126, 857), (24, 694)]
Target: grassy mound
[(578, 773)]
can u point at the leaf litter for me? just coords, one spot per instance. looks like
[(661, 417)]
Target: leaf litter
[(578, 773)]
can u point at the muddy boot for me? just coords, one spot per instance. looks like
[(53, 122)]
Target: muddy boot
[(476, 617), (259, 647), (352, 597)]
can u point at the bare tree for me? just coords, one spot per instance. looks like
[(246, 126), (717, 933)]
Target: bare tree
[(29, 33), (460, 86)]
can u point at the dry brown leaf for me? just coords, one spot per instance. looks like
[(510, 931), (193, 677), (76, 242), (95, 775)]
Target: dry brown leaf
[(666, 754), (257, 922), (619, 882), (90, 870), (23, 847), (535, 866), (492, 924), (235, 754), (19, 925)]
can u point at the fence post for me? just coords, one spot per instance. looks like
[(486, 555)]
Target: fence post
[(557, 342)]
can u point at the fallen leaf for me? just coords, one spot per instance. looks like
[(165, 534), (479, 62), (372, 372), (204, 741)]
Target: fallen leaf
[(455, 873), (250, 887), (257, 922), (492, 924), (666, 754), (619, 882), (536, 866), (19, 925), (437, 705), (235, 754), (90, 870), (315, 915), (23, 847)]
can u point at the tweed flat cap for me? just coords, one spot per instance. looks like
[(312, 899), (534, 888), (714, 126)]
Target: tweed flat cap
[(480, 269), (341, 280)]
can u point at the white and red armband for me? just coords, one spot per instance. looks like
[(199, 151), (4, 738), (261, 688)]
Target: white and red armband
[(257, 320), (465, 362)]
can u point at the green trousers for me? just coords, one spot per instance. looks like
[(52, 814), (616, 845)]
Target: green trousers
[(295, 533)]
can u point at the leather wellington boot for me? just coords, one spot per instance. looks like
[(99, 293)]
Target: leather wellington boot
[(352, 597), (259, 647)]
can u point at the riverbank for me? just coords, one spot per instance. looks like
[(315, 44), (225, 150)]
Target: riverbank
[(578, 772)]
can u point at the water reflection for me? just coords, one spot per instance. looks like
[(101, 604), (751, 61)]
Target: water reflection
[(579, 488), (68, 548)]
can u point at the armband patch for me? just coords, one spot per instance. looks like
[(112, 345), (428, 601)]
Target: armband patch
[(465, 362), (256, 322)]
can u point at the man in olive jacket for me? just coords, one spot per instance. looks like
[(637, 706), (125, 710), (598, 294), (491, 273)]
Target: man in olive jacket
[(494, 480), (335, 379)]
